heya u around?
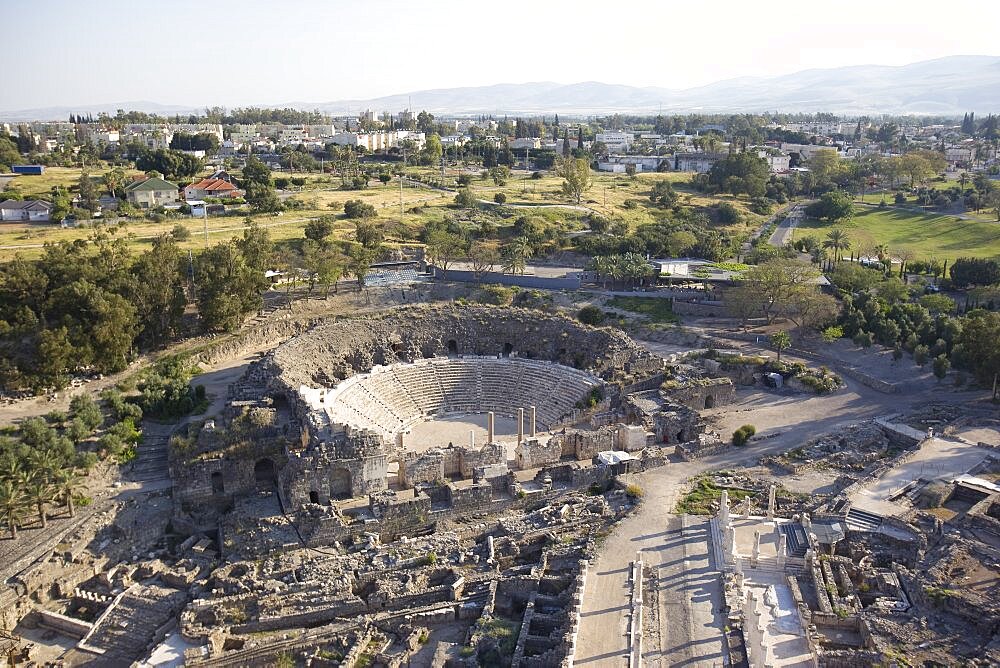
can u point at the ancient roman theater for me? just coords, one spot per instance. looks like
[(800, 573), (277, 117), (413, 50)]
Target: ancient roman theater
[(462, 404)]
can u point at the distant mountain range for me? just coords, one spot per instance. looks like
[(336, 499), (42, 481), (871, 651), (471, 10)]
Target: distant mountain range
[(945, 86)]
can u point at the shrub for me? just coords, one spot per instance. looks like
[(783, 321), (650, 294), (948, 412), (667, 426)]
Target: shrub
[(465, 198), (355, 208), (634, 491), (500, 198), (900, 198), (941, 366), (920, 354), (743, 434), (180, 233), (590, 315), (832, 333)]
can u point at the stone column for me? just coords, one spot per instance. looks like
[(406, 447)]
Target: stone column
[(770, 501), (746, 507), (520, 425), (755, 555), (489, 427), (472, 438), (399, 440), (724, 509), (534, 432), (782, 550), (731, 549)]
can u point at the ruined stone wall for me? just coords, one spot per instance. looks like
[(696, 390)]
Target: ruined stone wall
[(704, 393), (677, 424), (317, 475), (533, 453), (440, 463), (416, 468)]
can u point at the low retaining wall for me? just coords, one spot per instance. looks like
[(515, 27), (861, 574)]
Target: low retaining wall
[(74, 628), (541, 282)]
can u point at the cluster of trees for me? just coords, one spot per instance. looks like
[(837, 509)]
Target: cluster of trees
[(972, 271), (833, 206), (172, 164), (259, 187), (888, 317), (685, 232), (736, 174), (42, 461), (202, 141), (782, 288), (90, 304), (629, 268)]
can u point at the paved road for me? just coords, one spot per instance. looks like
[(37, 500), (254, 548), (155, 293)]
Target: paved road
[(782, 235)]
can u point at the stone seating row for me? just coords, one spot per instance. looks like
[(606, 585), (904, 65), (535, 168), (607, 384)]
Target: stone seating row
[(390, 398)]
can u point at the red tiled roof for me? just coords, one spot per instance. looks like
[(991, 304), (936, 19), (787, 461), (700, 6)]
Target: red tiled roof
[(210, 185)]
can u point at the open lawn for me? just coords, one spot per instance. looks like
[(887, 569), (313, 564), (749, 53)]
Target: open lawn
[(927, 235), (655, 309), (607, 196), (40, 187)]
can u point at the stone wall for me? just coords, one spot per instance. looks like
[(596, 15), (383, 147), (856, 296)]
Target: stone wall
[(533, 453), (704, 393)]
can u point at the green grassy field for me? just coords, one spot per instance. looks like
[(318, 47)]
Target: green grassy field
[(657, 310), (927, 235), (607, 196)]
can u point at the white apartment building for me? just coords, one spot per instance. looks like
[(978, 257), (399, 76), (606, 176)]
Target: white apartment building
[(617, 142), (379, 141), (525, 142)]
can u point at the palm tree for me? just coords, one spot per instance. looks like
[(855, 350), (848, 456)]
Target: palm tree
[(515, 255), (12, 505), (66, 482), (39, 492), (602, 266), (635, 267), (837, 240), (11, 470)]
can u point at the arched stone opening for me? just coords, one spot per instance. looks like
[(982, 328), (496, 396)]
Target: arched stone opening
[(452, 347), (709, 401), (508, 348), (340, 484), (313, 496), (264, 474), (218, 486)]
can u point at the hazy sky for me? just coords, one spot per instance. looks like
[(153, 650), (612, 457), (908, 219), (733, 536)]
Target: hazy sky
[(239, 52)]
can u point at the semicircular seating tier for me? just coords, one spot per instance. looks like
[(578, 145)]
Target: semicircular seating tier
[(391, 398)]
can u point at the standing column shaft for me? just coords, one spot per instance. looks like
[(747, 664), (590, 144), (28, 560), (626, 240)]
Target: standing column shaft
[(534, 432), (489, 427), (520, 425)]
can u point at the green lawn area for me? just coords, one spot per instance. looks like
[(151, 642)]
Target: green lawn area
[(657, 310), (926, 234)]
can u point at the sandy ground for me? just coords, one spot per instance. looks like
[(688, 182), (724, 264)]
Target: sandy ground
[(448, 430), (937, 458)]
